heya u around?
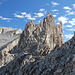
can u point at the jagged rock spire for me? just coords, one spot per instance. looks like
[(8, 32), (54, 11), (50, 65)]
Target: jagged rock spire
[(49, 21), (48, 14), (61, 22), (48, 34)]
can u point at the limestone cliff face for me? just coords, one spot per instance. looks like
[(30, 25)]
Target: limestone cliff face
[(5, 29), (10, 30), (9, 38), (47, 33), (5, 56)]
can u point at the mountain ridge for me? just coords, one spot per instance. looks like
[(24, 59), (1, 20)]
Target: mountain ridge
[(41, 51)]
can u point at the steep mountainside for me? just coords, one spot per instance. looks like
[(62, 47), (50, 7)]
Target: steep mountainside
[(60, 61), (9, 38), (40, 51)]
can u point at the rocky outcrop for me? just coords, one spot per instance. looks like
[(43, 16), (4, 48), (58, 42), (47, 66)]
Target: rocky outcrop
[(5, 56), (39, 50), (47, 35), (17, 31), (60, 61), (9, 30), (8, 40), (5, 29), (8, 35)]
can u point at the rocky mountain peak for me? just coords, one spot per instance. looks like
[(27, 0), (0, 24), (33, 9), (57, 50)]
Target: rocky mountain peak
[(47, 33), (30, 24), (49, 16), (41, 51), (49, 21)]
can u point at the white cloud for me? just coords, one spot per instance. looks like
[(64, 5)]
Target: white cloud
[(67, 8), (54, 3), (70, 12), (72, 22), (73, 6), (54, 15), (67, 11), (69, 26), (63, 19), (3, 18), (23, 13), (54, 10), (28, 15), (42, 10), (71, 29), (6, 19), (30, 18), (18, 16), (39, 14), (0, 16), (57, 23), (73, 19), (69, 36)]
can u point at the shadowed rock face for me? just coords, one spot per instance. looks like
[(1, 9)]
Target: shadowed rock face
[(46, 34)]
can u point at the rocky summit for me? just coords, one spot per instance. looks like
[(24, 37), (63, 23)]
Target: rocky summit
[(41, 51), (43, 37)]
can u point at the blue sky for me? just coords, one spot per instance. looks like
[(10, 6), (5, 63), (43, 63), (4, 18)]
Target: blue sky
[(16, 13)]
